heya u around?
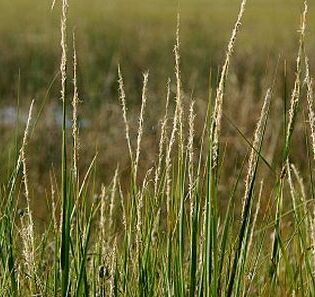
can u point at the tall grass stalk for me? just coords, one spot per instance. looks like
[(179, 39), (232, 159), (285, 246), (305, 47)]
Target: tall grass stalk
[(65, 224), (211, 206), (292, 113), (141, 121), (27, 231), (245, 229), (122, 99), (75, 102)]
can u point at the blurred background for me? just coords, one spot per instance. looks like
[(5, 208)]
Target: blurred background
[(140, 35)]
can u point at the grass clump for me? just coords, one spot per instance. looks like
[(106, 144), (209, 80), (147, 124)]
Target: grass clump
[(169, 233)]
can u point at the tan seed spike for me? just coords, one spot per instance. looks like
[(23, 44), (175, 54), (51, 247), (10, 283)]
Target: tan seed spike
[(113, 270), (310, 105), (28, 224), (102, 221), (179, 104), (168, 160), (141, 120), (122, 99), (75, 102), (255, 217), (53, 203), (217, 113), (162, 140), (295, 97), (190, 149), (63, 44), (112, 199)]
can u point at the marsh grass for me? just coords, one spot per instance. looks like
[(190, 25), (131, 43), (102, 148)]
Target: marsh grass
[(167, 234)]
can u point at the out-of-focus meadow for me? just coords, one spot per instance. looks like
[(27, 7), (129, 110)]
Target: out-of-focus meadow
[(140, 35)]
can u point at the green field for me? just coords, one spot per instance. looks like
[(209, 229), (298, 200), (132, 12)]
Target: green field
[(140, 36), (155, 150)]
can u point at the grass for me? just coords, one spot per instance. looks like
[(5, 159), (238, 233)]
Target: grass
[(170, 229), (30, 53), (103, 41)]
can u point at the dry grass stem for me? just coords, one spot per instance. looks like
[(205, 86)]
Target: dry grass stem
[(141, 120), (162, 140), (310, 104), (218, 106), (179, 103), (63, 44), (190, 149), (296, 93), (27, 231), (75, 102), (122, 99), (102, 222), (112, 199)]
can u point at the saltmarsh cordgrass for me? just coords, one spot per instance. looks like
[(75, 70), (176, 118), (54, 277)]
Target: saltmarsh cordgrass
[(171, 231)]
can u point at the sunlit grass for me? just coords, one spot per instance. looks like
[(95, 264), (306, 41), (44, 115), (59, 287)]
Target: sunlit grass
[(170, 230)]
